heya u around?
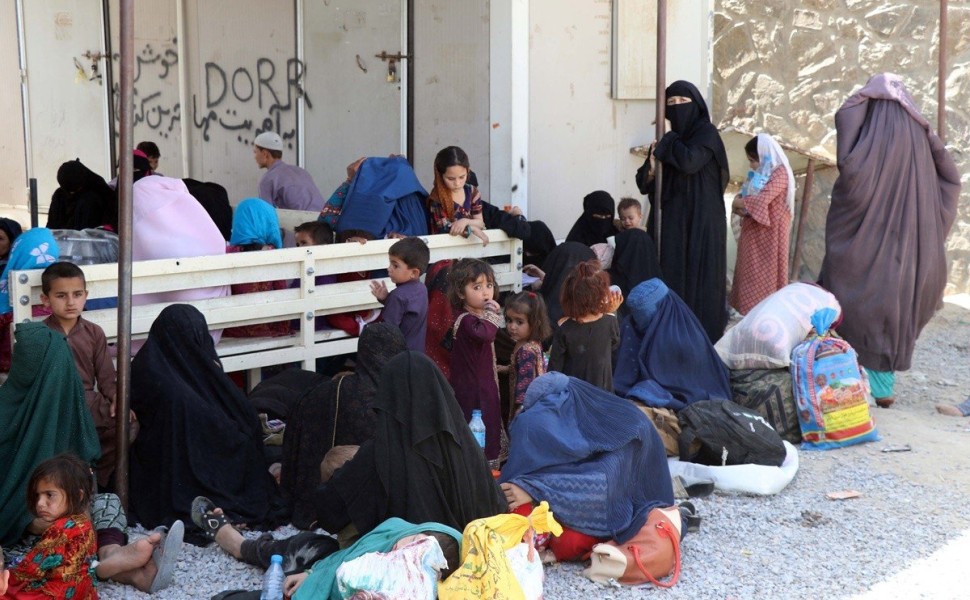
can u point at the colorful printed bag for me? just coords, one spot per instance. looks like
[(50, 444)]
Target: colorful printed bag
[(831, 390)]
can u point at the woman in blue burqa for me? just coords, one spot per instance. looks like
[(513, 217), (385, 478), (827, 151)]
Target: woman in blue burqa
[(665, 359), (593, 456)]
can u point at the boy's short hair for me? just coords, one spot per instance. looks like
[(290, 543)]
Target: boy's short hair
[(626, 203), (345, 235), (60, 270), (319, 232), (413, 252)]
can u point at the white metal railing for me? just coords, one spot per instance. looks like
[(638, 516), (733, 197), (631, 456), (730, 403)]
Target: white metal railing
[(303, 303)]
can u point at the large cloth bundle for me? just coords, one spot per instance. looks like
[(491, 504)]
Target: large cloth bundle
[(385, 197)]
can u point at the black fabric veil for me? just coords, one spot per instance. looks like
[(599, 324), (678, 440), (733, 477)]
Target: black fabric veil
[(589, 229), (423, 464), (557, 266), (200, 435)]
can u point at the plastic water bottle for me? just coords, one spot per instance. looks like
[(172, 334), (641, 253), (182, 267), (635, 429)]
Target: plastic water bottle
[(273, 580), (478, 427)]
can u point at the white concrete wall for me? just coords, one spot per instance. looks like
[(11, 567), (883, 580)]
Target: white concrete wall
[(13, 175), (579, 137)]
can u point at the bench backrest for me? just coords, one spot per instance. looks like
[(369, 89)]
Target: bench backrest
[(303, 303)]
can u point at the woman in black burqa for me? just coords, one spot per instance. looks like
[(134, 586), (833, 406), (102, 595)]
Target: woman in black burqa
[(693, 236), (83, 199), (340, 413), (423, 463), (200, 435)]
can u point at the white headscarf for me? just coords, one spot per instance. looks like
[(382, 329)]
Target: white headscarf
[(770, 157)]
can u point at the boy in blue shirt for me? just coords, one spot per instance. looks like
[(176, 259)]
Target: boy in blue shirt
[(406, 306)]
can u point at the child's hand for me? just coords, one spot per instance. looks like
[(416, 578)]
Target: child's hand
[(614, 300), (293, 582), (379, 289), (501, 369), (479, 234), (493, 306)]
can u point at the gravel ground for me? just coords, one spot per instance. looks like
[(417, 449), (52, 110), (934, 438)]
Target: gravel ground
[(797, 544)]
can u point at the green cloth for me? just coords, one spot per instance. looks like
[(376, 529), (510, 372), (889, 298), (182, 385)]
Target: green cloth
[(322, 582), (881, 383), (43, 413)]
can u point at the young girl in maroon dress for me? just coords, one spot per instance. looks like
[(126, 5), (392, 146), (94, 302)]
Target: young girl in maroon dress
[(59, 564), (588, 335), (528, 325), (473, 376)]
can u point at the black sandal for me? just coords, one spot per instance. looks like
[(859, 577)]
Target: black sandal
[(209, 522)]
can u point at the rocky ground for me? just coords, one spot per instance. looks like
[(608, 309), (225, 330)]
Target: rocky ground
[(797, 544)]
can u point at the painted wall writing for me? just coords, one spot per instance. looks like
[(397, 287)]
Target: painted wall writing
[(226, 90), (241, 100)]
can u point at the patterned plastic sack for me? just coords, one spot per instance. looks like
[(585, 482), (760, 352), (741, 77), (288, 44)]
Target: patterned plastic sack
[(831, 390), (769, 391), (765, 337)]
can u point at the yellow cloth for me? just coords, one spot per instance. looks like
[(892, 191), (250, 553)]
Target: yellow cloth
[(485, 571)]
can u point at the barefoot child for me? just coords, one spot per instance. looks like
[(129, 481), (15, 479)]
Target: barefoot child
[(64, 292), (471, 290), (59, 564), (455, 206), (528, 325), (588, 334), (406, 306)]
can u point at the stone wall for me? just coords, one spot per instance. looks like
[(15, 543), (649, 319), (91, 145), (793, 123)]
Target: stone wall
[(785, 68)]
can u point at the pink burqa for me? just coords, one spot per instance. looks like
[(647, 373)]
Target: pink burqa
[(168, 222), (892, 207)]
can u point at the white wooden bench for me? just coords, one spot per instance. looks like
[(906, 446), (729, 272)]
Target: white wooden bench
[(303, 303)]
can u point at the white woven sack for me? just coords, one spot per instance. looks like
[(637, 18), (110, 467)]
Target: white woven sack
[(765, 337)]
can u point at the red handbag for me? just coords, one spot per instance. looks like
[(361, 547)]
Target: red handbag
[(652, 554)]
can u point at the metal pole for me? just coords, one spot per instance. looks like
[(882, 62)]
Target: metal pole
[(107, 80), (126, 109), (33, 204), (661, 110), (941, 77), (802, 214)]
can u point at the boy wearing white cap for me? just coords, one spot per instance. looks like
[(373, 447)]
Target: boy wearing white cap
[(283, 185)]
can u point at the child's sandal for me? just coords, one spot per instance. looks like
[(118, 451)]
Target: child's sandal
[(205, 519)]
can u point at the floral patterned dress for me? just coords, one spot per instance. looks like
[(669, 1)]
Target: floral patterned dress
[(527, 364), (59, 565)]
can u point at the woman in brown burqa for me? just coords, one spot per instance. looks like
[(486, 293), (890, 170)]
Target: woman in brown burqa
[(892, 207)]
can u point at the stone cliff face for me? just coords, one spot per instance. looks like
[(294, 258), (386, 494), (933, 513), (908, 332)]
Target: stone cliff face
[(785, 68)]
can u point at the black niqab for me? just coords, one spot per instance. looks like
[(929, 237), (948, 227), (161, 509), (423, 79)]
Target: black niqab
[(84, 200), (693, 253), (539, 244), (593, 226)]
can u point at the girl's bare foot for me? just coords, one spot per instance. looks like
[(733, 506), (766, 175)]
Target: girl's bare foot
[(131, 564)]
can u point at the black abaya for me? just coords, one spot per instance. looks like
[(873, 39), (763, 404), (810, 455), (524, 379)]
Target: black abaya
[(200, 435), (693, 255), (423, 464)]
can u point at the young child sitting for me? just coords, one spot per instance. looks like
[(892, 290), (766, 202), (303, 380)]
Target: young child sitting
[(406, 306), (64, 292), (60, 563), (631, 214)]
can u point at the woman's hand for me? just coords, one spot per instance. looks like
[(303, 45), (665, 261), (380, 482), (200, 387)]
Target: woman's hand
[(293, 583), (534, 271), (515, 495)]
